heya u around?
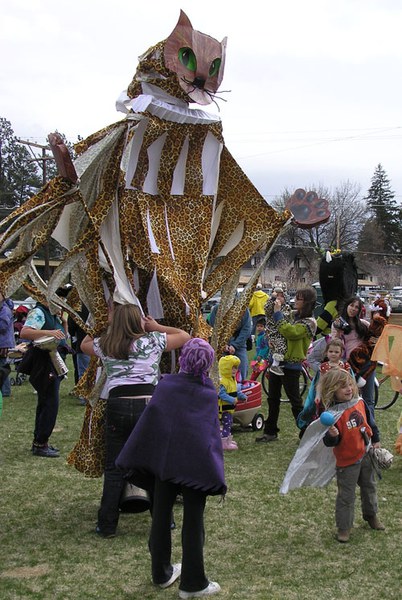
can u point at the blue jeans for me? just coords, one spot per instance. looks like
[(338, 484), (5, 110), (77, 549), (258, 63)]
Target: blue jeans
[(243, 368), (6, 387), (82, 363), (122, 415)]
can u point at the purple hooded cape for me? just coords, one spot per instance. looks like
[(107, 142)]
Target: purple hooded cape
[(177, 437)]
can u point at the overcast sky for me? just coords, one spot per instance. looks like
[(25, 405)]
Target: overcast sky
[(315, 85)]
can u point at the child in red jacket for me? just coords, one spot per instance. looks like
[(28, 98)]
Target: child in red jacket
[(351, 437)]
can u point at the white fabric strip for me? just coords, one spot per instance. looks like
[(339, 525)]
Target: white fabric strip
[(154, 302), (234, 240), (151, 237), (168, 234), (179, 174), (211, 153), (110, 236), (134, 148)]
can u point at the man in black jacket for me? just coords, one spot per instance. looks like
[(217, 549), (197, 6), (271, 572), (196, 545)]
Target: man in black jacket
[(44, 321)]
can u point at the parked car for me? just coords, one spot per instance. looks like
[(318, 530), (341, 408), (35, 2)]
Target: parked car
[(28, 302), (208, 305), (396, 303)]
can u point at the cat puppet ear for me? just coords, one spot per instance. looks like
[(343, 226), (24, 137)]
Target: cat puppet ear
[(184, 21), (308, 209)]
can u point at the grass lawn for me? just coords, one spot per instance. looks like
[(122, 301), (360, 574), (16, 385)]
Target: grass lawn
[(259, 545)]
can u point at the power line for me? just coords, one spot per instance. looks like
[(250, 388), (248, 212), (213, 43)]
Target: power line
[(354, 251), (367, 129), (316, 143)]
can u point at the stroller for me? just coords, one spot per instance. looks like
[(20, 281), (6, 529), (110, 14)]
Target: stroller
[(14, 358)]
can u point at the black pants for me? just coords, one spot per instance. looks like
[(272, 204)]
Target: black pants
[(290, 381), (122, 415), (160, 542), (46, 410)]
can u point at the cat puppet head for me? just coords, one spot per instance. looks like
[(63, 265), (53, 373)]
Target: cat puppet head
[(188, 65)]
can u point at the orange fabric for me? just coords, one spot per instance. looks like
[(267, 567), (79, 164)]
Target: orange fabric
[(351, 447), (388, 350)]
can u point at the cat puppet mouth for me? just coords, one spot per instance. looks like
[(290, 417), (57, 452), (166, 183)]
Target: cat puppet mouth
[(196, 90)]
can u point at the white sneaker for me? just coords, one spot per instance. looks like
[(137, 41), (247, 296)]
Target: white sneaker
[(175, 574), (212, 588), (277, 370), (361, 382)]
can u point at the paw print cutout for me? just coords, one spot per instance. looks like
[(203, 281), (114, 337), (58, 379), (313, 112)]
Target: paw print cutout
[(308, 209)]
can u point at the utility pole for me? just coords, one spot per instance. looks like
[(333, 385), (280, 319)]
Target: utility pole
[(42, 159), (338, 231)]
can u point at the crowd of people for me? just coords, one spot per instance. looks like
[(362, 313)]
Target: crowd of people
[(190, 416)]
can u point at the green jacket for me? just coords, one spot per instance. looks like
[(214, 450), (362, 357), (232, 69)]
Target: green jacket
[(298, 334)]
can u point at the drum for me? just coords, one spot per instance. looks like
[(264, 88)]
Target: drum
[(49, 343), (134, 499)]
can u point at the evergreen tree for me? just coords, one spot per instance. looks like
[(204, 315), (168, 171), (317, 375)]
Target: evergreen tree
[(19, 178), (385, 211), (371, 239)]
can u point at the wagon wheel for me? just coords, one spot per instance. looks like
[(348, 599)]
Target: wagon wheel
[(258, 422)]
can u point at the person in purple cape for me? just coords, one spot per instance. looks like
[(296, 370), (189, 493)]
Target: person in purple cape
[(176, 448)]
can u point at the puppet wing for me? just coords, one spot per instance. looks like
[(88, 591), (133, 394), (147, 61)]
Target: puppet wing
[(388, 350), (313, 464)]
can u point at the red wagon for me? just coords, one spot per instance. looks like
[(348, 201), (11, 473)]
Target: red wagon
[(248, 412)]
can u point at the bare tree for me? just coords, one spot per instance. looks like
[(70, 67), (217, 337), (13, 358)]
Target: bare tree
[(347, 218)]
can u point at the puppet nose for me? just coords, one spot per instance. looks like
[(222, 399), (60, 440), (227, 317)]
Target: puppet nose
[(199, 83)]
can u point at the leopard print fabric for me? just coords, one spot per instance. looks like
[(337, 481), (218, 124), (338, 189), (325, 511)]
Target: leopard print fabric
[(152, 69), (190, 229), (88, 455)]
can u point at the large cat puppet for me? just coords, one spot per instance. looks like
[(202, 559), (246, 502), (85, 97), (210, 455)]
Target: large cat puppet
[(154, 210), (161, 215)]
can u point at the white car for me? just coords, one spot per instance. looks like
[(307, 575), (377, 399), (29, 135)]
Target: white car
[(28, 302), (396, 303)]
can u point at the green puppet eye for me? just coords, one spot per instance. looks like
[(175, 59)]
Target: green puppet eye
[(187, 58), (215, 66)]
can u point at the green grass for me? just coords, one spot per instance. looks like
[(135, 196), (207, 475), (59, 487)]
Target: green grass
[(259, 545)]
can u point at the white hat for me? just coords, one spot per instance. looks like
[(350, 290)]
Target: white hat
[(259, 286)]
